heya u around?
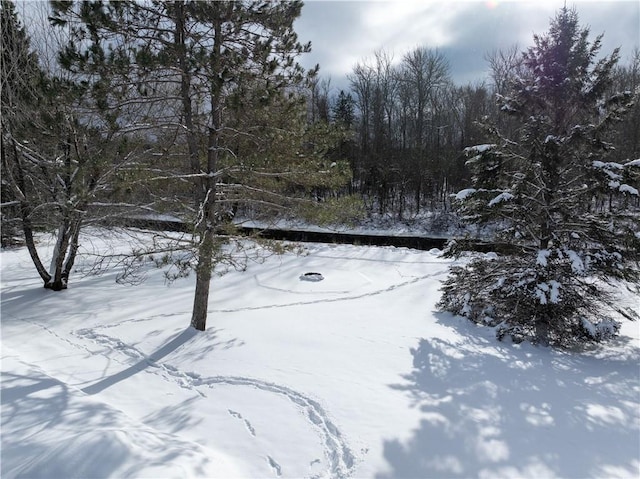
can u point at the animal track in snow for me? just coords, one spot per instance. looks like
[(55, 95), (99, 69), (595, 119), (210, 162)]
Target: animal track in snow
[(339, 455), (340, 459), (332, 300), (247, 424), (276, 467), (314, 467), (143, 320), (145, 363)]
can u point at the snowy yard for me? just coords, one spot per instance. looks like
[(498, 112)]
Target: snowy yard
[(356, 375)]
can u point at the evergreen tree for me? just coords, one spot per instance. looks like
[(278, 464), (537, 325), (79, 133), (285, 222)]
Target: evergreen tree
[(544, 191), (212, 83), (344, 110)]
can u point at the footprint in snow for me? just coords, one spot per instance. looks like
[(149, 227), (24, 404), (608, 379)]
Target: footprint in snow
[(276, 467), (247, 424)]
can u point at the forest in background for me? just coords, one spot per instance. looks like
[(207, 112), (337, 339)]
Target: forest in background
[(402, 127), (409, 124)]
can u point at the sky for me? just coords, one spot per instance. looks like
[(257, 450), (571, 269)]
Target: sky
[(344, 33)]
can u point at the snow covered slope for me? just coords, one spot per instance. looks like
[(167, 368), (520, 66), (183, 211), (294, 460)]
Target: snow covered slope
[(352, 376)]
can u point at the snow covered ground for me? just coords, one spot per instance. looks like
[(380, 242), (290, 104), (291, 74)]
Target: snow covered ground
[(356, 375)]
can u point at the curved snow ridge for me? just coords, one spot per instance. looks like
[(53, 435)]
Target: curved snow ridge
[(333, 300), (339, 456)]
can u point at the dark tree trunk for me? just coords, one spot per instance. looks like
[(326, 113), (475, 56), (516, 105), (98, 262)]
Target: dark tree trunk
[(203, 280), (25, 211), (62, 243), (73, 250), (207, 221), (185, 93)]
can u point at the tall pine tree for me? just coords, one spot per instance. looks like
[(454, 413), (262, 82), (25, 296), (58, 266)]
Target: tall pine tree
[(211, 83), (554, 198)]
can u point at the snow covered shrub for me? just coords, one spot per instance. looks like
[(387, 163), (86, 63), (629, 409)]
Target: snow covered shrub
[(562, 206), (526, 300)]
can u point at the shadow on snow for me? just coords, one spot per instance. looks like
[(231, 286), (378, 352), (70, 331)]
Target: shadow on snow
[(493, 409), (51, 430), (143, 363)]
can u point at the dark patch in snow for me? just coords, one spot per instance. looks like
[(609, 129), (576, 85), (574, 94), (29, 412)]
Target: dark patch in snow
[(275, 465), (313, 277), (247, 424)]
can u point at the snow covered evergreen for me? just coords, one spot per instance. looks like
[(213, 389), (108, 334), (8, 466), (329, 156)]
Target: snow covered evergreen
[(569, 216)]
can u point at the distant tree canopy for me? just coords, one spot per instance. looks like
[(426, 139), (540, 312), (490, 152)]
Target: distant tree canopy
[(412, 123)]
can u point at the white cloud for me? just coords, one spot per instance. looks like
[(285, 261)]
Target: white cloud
[(347, 32)]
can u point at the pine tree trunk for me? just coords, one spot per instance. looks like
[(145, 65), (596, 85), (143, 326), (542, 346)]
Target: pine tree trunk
[(543, 327), (57, 259), (207, 221), (185, 94), (203, 280), (73, 251)]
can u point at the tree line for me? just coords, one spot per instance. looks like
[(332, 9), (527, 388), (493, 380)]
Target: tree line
[(410, 124)]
